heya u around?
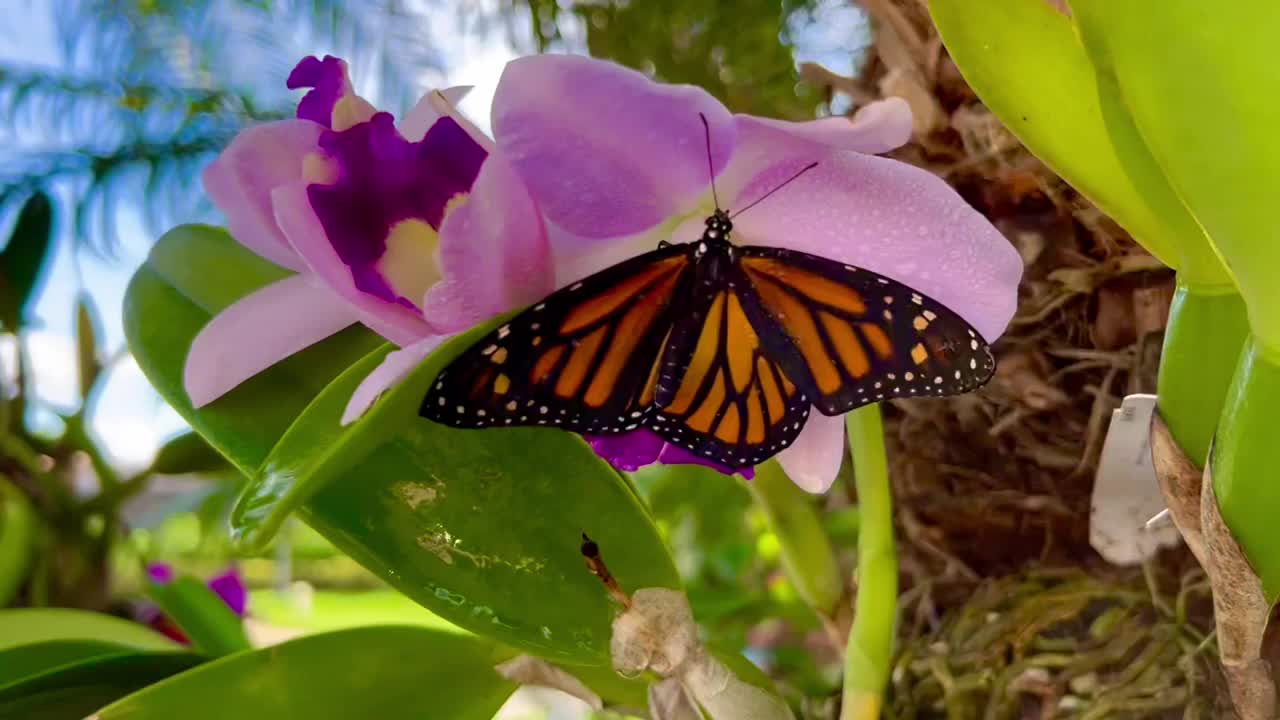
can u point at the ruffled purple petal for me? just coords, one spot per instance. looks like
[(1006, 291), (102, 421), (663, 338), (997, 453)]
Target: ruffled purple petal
[(494, 254), (604, 150), (813, 460), (240, 181), (384, 180), (258, 331), (327, 79), (883, 215), (231, 589), (676, 455), (876, 128), (395, 322), (631, 451), (627, 451)]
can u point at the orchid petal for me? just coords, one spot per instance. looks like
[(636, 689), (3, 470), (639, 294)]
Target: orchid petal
[(393, 368), (633, 450), (494, 254), (627, 451), (676, 455), (415, 124), (258, 331), (240, 181), (879, 214), (813, 460), (329, 83), (393, 321), (876, 128), (605, 150), (230, 588)]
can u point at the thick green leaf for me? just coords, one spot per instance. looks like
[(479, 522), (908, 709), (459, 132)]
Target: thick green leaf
[(25, 661), (72, 692), (388, 672), (1199, 82), (18, 528), (210, 625), (30, 625), (1025, 62), (24, 257), (481, 527), (187, 453)]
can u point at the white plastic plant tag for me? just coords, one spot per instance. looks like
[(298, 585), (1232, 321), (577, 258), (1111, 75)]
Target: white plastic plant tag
[(1126, 493)]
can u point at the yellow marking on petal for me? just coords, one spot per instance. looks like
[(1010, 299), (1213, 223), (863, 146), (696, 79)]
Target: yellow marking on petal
[(409, 264), (319, 170), (919, 354), (350, 110)]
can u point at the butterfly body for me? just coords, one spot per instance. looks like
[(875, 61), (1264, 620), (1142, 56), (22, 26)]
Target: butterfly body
[(718, 348)]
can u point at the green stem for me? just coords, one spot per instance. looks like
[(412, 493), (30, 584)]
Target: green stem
[(807, 556), (1207, 327), (869, 655), (1245, 458)]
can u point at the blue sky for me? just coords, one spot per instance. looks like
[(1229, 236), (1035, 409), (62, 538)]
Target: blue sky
[(129, 418)]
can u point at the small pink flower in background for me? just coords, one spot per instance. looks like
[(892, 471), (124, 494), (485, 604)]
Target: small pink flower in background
[(226, 585), (417, 229), (618, 162)]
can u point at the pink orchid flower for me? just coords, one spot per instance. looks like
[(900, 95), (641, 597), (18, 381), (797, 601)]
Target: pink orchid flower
[(617, 162), (417, 230)]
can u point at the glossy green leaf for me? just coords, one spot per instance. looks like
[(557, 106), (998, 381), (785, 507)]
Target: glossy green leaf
[(1027, 65), (205, 619), (72, 692), (33, 625), (193, 272), (24, 661), (481, 527), (24, 257), (389, 672), (187, 453), (1198, 79), (18, 528)]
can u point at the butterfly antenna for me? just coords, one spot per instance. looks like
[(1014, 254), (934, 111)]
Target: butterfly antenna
[(711, 168), (781, 185)]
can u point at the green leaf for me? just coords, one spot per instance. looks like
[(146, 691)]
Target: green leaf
[(18, 528), (88, 326), (72, 692), (481, 527), (1025, 62), (27, 625), (24, 257), (208, 623), (187, 453), (24, 661), (1199, 84), (388, 672)]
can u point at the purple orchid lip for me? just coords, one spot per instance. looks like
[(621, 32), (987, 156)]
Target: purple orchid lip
[(327, 79), (385, 180)]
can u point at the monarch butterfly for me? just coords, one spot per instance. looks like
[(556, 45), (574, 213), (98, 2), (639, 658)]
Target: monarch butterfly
[(718, 348)]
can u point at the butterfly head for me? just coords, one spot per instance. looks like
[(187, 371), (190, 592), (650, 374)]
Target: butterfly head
[(718, 226)]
